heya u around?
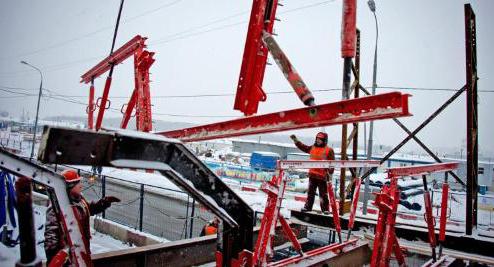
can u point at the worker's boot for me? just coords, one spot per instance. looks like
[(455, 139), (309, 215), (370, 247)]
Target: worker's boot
[(304, 209)]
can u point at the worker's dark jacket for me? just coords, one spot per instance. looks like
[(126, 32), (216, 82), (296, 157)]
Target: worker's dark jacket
[(54, 240), (318, 153)]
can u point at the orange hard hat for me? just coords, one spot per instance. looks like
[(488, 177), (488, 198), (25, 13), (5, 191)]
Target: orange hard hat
[(323, 136), (71, 176)]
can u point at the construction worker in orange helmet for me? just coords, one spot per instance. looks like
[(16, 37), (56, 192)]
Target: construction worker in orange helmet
[(211, 227), (318, 178), (54, 242)]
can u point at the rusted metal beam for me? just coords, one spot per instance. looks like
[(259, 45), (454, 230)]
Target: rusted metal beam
[(472, 121), (382, 106)]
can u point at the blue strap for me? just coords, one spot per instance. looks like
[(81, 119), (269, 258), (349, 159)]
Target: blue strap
[(11, 200), (3, 211)]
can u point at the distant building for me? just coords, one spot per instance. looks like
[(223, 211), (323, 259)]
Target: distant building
[(249, 146)]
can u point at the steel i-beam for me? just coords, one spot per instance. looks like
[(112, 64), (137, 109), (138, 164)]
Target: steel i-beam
[(382, 106)]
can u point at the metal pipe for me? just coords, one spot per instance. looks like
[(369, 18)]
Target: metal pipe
[(37, 106), (26, 223), (372, 6), (141, 207)]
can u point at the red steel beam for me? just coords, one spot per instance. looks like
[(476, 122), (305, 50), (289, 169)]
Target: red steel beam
[(382, 106), (117, 57), (324, 164), (421, 169), (91, 107)]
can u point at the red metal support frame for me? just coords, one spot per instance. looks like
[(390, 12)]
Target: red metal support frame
[(144, 60), (124, 52), (443, 218), (382, 106), (429, 219), (127, 114), (385, 241), (249, 89), (353, 210), (140, 99), (334, 211), (91, 107), (419, 170), (275, 190)]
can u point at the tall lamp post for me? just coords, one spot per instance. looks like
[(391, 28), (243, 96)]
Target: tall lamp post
[(37, 107), (372, 7)]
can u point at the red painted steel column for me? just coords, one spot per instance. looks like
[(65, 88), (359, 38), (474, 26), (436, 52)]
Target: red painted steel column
[(348, 50), (90, 107), (354, 206), (249, 88), (444, 210), (334, 210), (127, 114), (102, 104), (349, 29)]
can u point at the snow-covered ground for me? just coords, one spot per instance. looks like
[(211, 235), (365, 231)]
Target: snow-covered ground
[(99, 242)]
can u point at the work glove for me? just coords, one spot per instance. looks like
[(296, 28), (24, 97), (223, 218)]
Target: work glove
[(106, 201), (294, 138)]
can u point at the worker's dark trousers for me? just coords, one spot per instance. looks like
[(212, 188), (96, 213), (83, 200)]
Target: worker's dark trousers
[(322, 185)]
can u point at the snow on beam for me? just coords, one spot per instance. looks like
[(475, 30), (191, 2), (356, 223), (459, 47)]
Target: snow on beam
[(323, 164), (115, 58), (382, 106), (422, 169)]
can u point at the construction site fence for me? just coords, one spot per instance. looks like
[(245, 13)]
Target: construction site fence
[(163, 212)]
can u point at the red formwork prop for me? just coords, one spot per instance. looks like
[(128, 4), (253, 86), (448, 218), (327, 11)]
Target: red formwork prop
[(420, 170), (249, 89), (382, 106), (140, 99), (275, 190), (385, 241), (348, 29), (91, 107)]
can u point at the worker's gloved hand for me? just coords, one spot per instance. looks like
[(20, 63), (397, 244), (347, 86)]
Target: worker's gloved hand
[(106, 201), (294, 138)]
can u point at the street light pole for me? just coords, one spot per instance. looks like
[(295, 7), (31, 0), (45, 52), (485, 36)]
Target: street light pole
[(372, 7), (37, 107)]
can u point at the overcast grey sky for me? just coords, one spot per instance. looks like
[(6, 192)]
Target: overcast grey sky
[(199, 45)]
